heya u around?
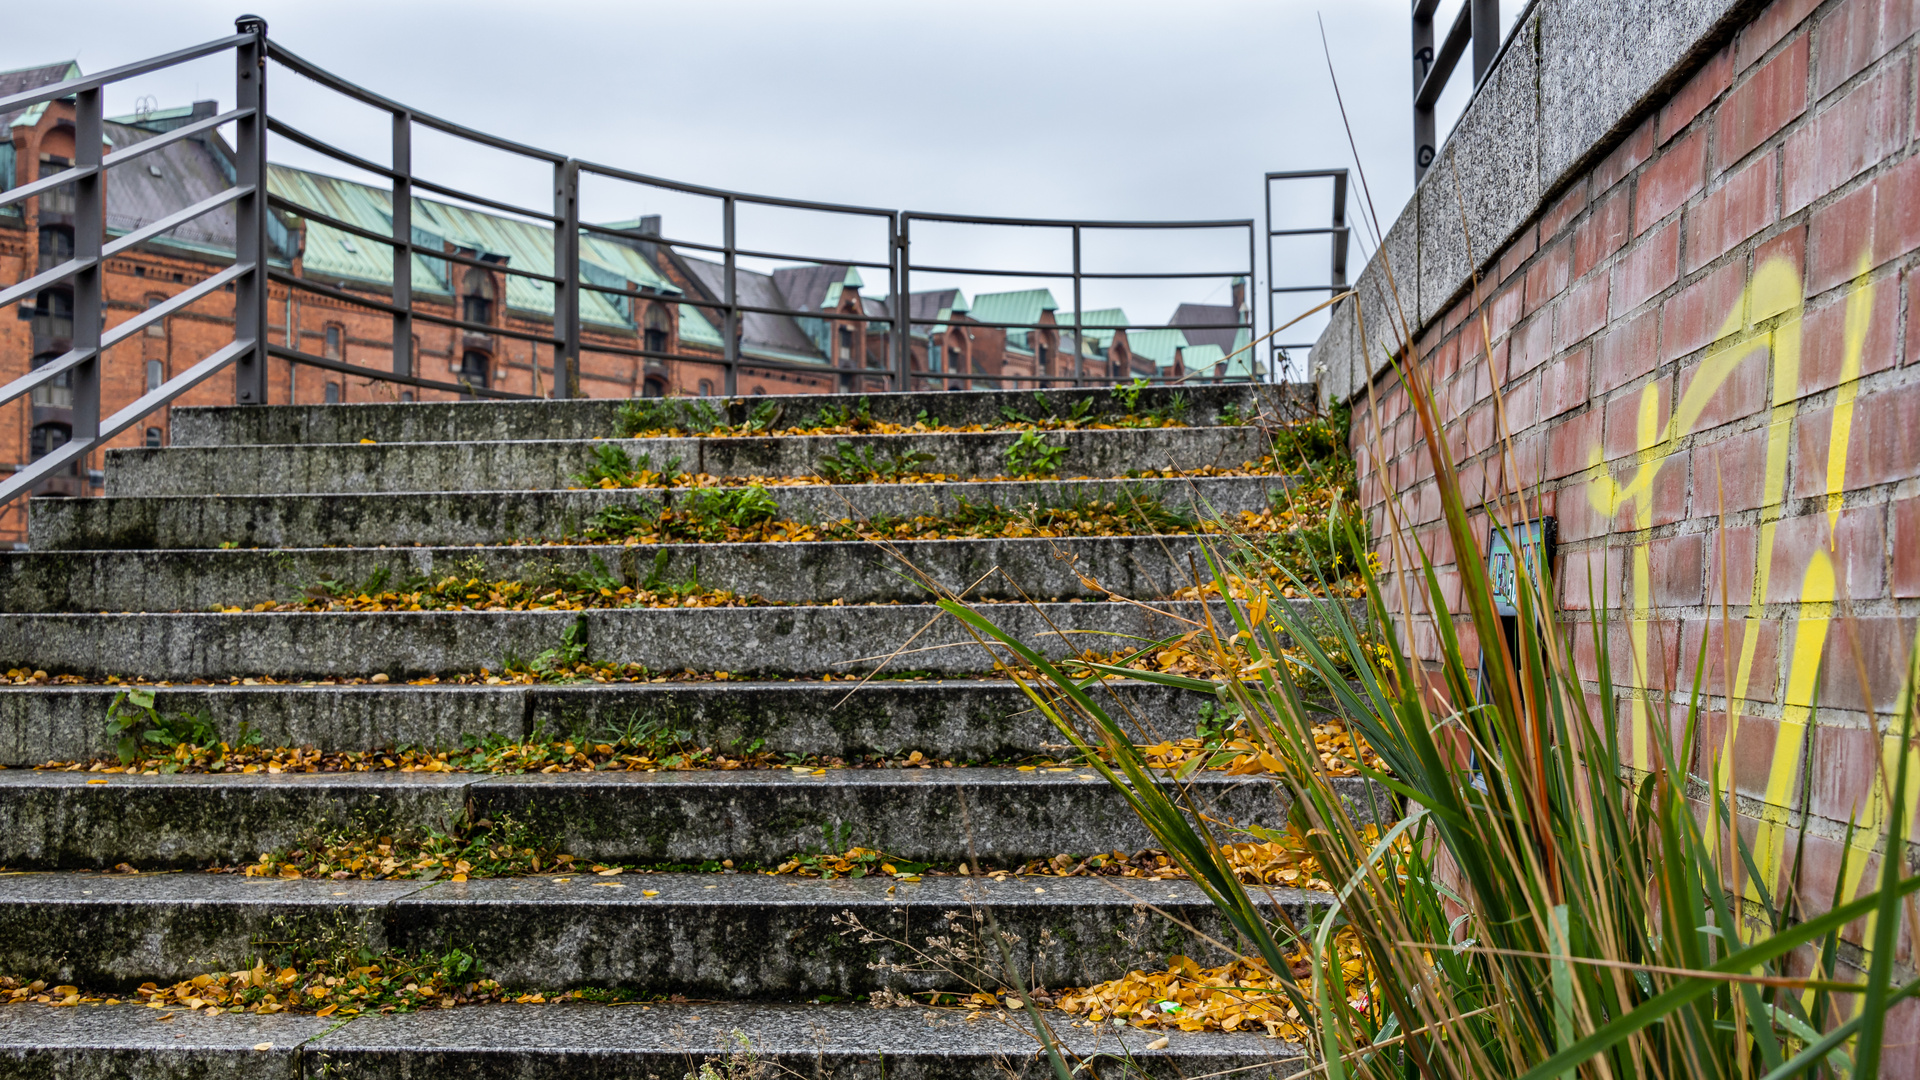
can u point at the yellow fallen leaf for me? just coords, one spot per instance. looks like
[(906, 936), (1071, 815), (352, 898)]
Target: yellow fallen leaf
[(265, 1045), (1159, 1043), (96, 781), (649, 892)]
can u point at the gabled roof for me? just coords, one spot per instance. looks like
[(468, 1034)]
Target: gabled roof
[(1112, 316), (1203, 314), (167, 179), (772, 336), (1020, 306), (1159, 346), (21, 80), (815, 287)]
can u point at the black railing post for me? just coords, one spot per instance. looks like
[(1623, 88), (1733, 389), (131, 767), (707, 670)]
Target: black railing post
[(566, 267), (730, 333), (897, 287), (1423, 134), (89, 233), (1078, 307), (250, 212), (402, 239), (1486, 36)]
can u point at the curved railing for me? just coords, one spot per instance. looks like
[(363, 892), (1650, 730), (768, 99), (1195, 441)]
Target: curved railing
[(252, 270)]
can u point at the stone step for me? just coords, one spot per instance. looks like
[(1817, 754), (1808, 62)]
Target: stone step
[(853, 571), (548, 464), (494, 517), (70, 820), (587, 418), (591, 1042), (410, 645), (957, 719), (737, 936)]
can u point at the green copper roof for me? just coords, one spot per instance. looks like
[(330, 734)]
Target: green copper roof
[(1158, 346), (331, 253)]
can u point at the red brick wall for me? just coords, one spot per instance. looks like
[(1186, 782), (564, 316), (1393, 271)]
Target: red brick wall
[(1711, 376)]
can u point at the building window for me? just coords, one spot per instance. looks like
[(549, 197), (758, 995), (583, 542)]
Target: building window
[(158, 327), (332, 348), (759, 391), (59, 392), (153, 438), (333, 393), (1042, 354), (476, 301), (846, 344), (656, 329), (473, 368), (156, 374), (953, 359), (56, 245), (706, 387), (406, 395), (653, 387), (48, 437)]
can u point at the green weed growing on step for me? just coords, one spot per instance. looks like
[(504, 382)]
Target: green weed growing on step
[(858, 416), (1032, 455), (741, 1063), (613, 467), (648, 416), (557, 664), (140, 730), (701, 515), (869, 465)]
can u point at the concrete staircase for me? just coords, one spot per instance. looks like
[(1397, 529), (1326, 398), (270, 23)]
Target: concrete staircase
[(160, 581)]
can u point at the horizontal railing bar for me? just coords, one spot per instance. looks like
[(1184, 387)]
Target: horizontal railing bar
[(43, 279), (1305, 174), (22, 482), (344, 296), (352, 90), (482, 200), (172, 304), (746, 253), (46, 372), (631, 234), (1084, 328), (311, 360), (45, 184), (382, 238), (1307, 288), (675, 297), (280, 127), (148, 146), (175, 220), (746, 360), (918, 269), (721, 305), (1183, 274), (618, 173), (1068, 223), (126, 71), (1307, 232)]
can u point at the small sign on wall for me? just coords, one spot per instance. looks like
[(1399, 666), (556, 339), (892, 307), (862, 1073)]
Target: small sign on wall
[(1535, 539)]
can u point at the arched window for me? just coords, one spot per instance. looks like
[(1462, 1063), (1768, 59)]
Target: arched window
[(653, 387), (333, 393), (331, 349), (476, 297), (474, 366), (706, 387), (156, 374), (657, 329), (158, 327), (759, 391)]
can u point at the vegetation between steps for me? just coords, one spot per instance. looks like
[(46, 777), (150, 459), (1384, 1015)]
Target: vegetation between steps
[(702, 417)]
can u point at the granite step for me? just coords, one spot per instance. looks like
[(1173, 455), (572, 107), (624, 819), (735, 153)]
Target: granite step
[(592, 1042), (587, 418), (75, 820), (959, 719), (727, 935), (496, 517), (850, 571), (745, 641), (547, 464)]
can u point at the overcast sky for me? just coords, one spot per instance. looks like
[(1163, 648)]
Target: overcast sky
[(1115, 109)]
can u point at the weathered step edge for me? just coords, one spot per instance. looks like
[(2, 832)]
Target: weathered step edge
[(493, 517), (740, 936), (599, 417), (62, 820)]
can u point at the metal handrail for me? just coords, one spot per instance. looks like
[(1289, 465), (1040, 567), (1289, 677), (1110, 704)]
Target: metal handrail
[(1337, 234), (252, 272)]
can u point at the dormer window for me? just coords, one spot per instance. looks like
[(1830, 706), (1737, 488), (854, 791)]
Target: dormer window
[(477, 297), (656, 337), (846, 344)]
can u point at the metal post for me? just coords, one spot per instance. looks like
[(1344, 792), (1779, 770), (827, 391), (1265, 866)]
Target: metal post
[(1245, 310), (89, 232), (250, 212), (566, 267), (1486, 36), (728, 333), (402, 236), (1077, 372), (902, 302), (1423, 136)]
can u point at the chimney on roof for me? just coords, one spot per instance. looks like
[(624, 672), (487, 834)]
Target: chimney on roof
[(1239, 295), (650, 225), (202, 110)]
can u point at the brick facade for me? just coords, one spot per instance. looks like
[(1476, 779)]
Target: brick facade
[(1710, 371)]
